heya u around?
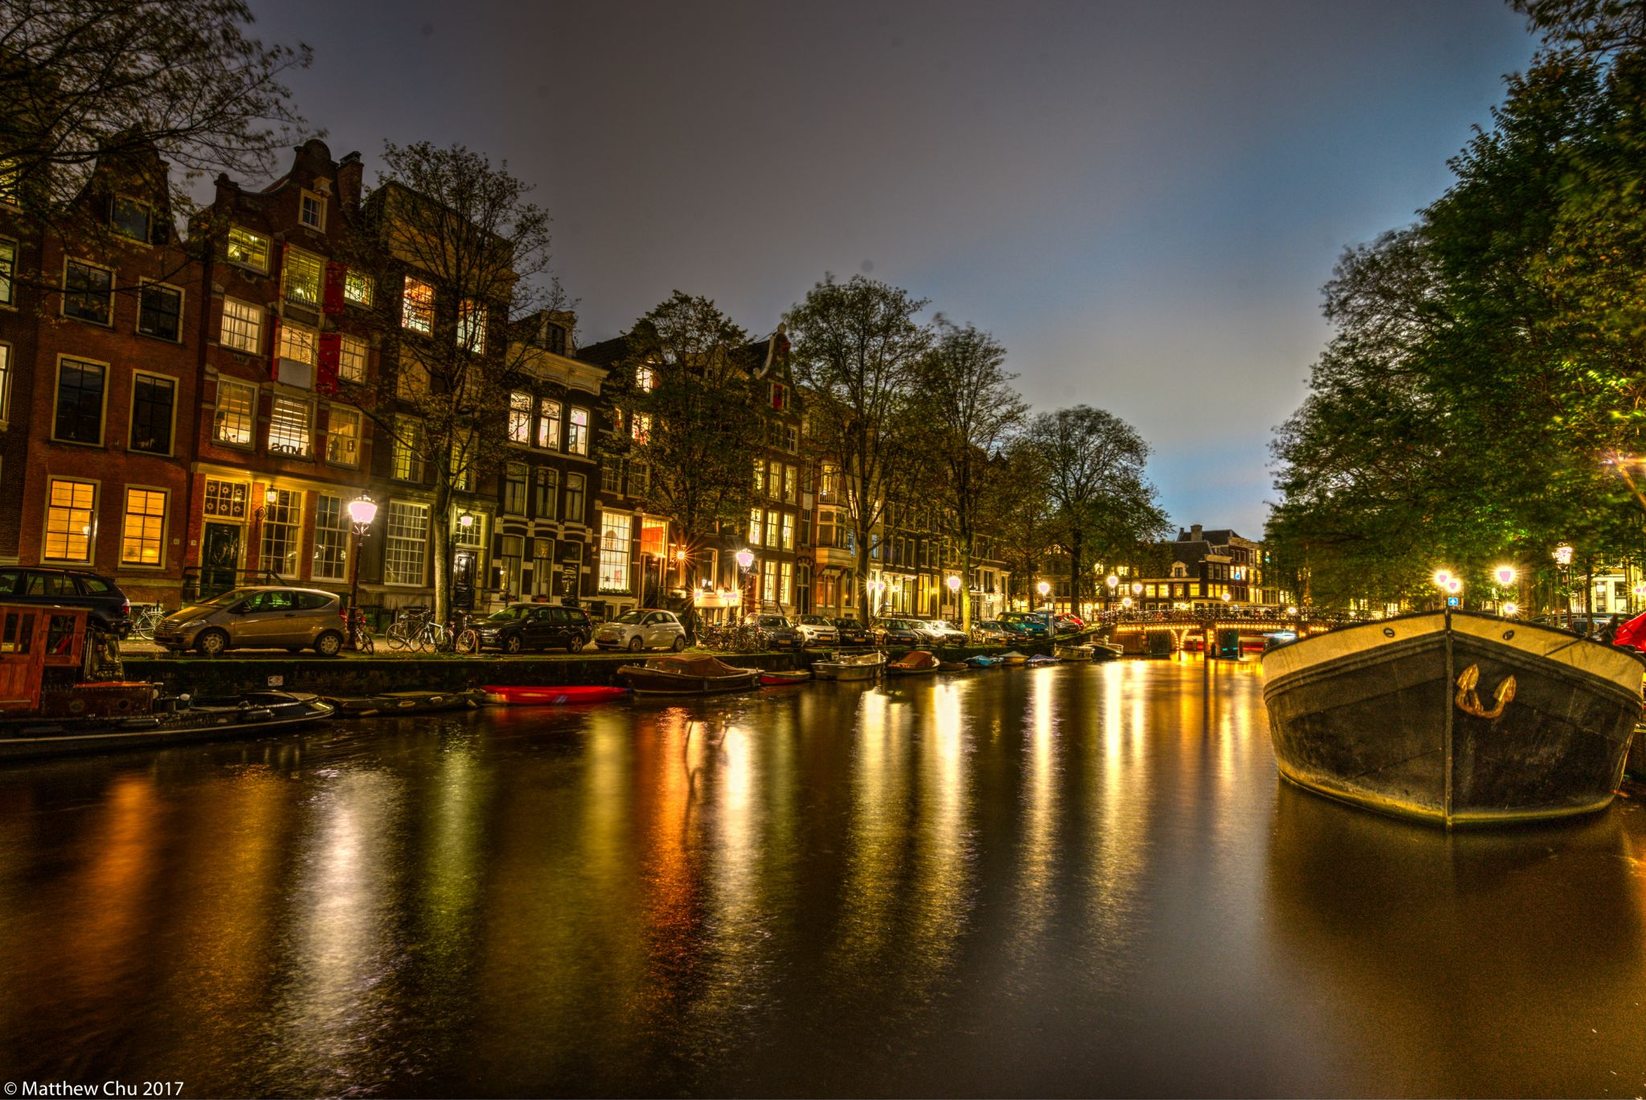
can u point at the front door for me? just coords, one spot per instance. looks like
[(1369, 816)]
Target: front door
[(463, 580), (219, 558)]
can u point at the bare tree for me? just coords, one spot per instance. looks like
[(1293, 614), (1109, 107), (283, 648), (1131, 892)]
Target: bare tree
[(463, 251), (967, 414), (85, 81), (856, 347)]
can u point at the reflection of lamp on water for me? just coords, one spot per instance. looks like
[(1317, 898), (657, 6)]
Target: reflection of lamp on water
[(362, 510)]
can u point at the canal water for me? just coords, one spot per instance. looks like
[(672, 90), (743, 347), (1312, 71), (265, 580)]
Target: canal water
[(1078, 880)]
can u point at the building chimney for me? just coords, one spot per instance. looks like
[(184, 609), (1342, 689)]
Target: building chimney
[(350, 173), (1195, 533)]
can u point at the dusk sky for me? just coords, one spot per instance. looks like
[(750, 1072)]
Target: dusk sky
[(1140, 201)]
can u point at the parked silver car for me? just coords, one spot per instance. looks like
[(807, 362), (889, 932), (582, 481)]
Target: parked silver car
[(260, 616), (943, 633), (643, 628)]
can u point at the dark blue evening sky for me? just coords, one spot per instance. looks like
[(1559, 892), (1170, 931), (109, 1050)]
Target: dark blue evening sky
[(1141, 201)]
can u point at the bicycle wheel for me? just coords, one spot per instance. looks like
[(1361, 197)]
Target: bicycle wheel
[(467, 641), (399, 637), (363, 641)]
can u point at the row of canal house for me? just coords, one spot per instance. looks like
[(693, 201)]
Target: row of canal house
[(187, 414)]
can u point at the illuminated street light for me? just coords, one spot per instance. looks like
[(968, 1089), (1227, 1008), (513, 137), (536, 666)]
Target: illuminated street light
[(362, 510), (1510, 610), (1505, 575), (1442, 578), (1563, 554)]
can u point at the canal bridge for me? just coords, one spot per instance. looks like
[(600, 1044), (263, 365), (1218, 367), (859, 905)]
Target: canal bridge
[(1232, 630)]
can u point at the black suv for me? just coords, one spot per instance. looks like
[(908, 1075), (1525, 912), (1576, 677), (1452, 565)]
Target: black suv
[(535, 626), (851, 632), (774, 632), (110, 610)]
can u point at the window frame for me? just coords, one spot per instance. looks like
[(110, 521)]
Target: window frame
[(354, 277), (290, 401), (159, 536), (295, 261), (333, 536), (5, 383), (171, 420), (395, 539), (332, 414), (344, 357), (103, 403), (108, 294), (577, 435), (143, 288), (8, 272), (223, 326), (419, 317), (224, 382), (249, 261), (304, 197), (91, 514), (149, 222)]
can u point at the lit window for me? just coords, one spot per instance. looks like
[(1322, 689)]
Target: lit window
[(548, 423), (331, 538), (160, 312), (5, 383), (297, 343), (351, 359), (406, 534), (461, 464), (577, 432), (780, 396), (132, 219), (152, 401), (471, 326), (8, 269), (343, 436), (641, 426), (311, 210), (614, 552), (236, 413), (242, 326), (520, 417), (543, 567), (411, 381), (417, 306), (142, 535), (88, 292), (407, 459), (11, 180), (290, 423), (301, 276), (281, 529), (248, 249), (357, 288), (576, 498), (78, 417), (546, 494), (756, 526), (645, 379), (70, 509)]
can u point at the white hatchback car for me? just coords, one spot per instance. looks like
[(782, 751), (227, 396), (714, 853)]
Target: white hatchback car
[(643, 628), (815, 630)]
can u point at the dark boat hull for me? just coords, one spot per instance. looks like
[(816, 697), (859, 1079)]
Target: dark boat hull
[(1389, 716), (270, 712)]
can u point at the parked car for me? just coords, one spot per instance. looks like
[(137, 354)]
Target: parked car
[(1068, 624), (535, 626), (851, 632), (815, 630), (643, 628), (773, 632), (110, 610), (1024, 626), (261, 616), (910, 632), (990, 632), (943, 633)]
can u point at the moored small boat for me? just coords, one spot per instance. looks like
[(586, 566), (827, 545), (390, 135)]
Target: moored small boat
[(916, 662), (240, 716), (850, 666), (559, 695), (982, 660), (1454, 718), (784, 677), (1107, 651), (1040, 660), (954, 666), (1012, 658), (687, 676), (1076, 652), (387, 703)]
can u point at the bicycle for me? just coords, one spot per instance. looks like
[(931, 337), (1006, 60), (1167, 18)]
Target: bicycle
[(464, 638), (414, 628), (363, 642), (145, 618)]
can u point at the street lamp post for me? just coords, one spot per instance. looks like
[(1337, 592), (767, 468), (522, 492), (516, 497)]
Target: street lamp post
[(1563, 563), (745, 562), (362, 510)]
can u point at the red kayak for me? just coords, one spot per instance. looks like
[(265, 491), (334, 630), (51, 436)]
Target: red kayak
[(566, 695)]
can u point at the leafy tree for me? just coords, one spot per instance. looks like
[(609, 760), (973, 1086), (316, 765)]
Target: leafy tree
[(450, 219), (857, 348), (693, 417), (1101, 502), (85, 81), (966, 413)]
